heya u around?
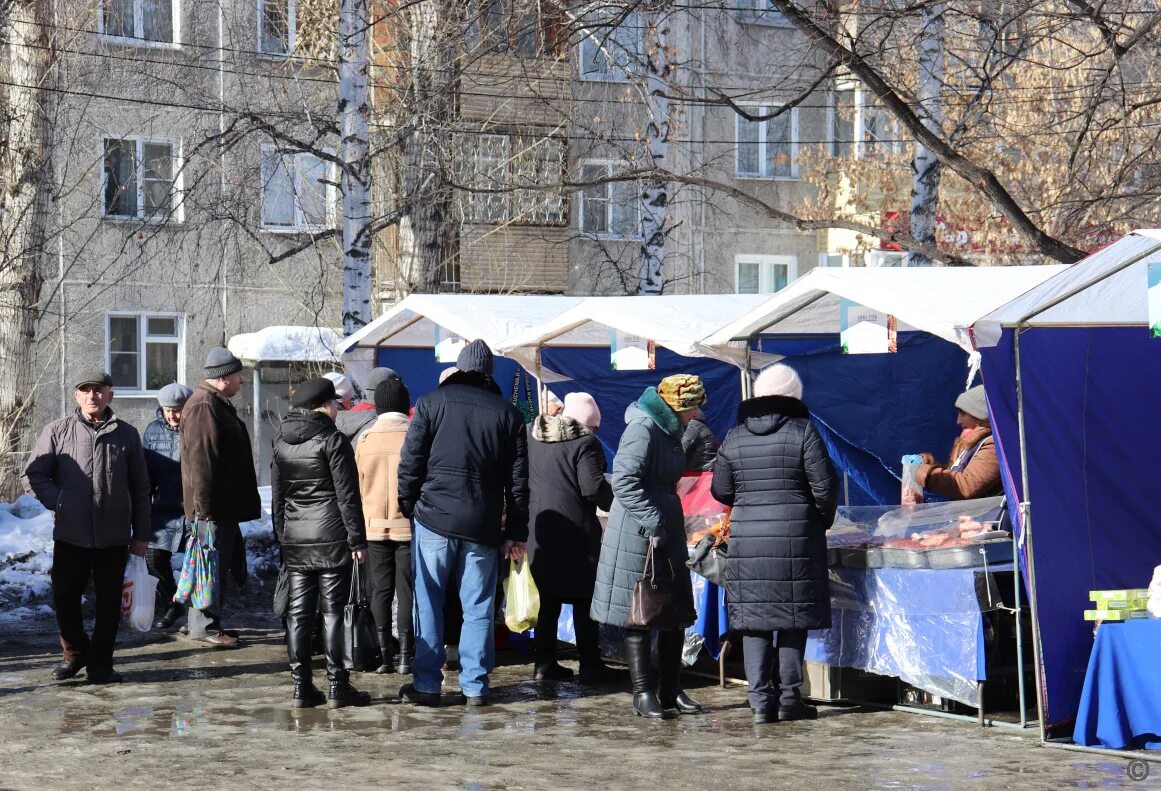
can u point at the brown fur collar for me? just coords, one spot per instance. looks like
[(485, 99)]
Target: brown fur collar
[(558, 429)]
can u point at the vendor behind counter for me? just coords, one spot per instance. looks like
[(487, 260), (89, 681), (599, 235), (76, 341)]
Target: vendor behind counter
[(973, 470)]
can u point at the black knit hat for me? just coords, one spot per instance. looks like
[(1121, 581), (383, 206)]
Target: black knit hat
[(391, 396), (221, 362), (313, 393), (477, 357)]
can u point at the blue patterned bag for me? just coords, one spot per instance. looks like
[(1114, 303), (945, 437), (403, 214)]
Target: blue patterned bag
[(198, 583)]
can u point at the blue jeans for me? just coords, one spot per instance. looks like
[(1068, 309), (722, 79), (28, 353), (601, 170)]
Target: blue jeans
[(436, 559)]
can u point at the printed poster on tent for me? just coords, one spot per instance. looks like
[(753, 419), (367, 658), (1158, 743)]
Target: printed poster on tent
[(629, 352), (863, 330), (447, 350), (1155, 300)]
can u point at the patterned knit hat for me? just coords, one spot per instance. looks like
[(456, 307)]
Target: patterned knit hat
[(682, 392)]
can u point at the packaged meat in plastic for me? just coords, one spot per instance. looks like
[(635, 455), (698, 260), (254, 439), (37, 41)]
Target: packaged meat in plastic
[(911, 492)]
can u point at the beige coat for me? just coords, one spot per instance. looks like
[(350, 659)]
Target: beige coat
[(377, 455)]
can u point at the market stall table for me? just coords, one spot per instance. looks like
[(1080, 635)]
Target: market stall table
[(1120, 706)]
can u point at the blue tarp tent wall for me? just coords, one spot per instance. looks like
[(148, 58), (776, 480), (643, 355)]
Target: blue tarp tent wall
[(1089, 372), (873, 408)]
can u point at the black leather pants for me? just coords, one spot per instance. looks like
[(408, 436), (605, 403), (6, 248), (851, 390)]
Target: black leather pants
[(311, 591)]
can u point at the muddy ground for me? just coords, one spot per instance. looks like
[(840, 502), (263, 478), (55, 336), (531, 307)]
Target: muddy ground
[(189, 717)]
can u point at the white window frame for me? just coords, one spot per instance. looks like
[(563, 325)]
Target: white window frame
[(300, 224), (177, 213), (824, 260), (748, 14), (763, 260), (610, 167), (143, 338), (291, 31), (763, 134), (861, 146), (603, 38), (139, 27)]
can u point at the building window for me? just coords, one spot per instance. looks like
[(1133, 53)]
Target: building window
[(524, 28), (608, 53), (277, 27), (611, 209), (297, 191), (141, 21), (834, 260), (760, 12), (144, 351), (142, 179), (861, 127), (765, 274), (768, 149), (504, 178)]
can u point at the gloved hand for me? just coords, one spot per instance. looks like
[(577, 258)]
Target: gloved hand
[(658, 541)]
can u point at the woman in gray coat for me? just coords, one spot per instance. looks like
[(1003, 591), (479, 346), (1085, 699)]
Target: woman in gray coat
[(774, 470), (646, 509)]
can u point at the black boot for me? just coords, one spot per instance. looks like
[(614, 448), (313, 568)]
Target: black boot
[(406, 654), (670, 643), (306, 694), (386, 652), (343, 694), (645, 701), (67, 669), (169, 617)]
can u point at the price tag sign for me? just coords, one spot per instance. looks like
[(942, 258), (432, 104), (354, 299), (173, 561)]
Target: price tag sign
[(447, 350), (631, 352), (863, 330), (1155, 300)]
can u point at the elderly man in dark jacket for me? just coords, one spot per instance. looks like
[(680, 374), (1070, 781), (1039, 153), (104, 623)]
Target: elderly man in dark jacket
[(318, 521), (463, 479), (774, 470), (162, 441), (219, 485), (89, 470)]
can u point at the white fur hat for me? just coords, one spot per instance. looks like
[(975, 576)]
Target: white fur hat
[(778, 380)]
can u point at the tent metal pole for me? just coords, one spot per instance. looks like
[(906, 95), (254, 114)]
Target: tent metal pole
[(1026, 525), (1018, 610)]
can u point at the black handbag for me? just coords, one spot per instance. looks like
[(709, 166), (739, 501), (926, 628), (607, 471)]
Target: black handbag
[(709, 559), (282, 593), (360, 644), (659, 603)]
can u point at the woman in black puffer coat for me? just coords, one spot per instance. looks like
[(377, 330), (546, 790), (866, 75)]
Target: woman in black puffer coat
[(318, 521), (774, 470)]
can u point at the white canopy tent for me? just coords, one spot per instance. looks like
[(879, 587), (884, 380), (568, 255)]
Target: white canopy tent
[(1106, 289), (287, 344), (423, 320), (943, 301), (677, 322)]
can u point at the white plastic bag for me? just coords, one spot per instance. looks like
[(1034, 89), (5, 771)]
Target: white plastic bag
[(1155, 594), (911, 493), (138, 593), (521, 599)]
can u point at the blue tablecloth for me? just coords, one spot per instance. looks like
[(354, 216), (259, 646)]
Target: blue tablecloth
[(924, 626), (1120, 706)]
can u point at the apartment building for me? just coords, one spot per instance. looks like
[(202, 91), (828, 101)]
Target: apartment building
[(170, 200)]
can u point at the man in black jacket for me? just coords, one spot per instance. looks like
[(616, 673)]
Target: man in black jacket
[(89, 470), (463, 480)]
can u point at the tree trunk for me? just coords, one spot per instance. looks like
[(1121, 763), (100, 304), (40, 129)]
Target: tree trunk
[(655, 195), (25, 190), (925, 168), (428, 221), (354, 110)]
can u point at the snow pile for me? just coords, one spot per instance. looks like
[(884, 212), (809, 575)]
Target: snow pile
[(25, 557), (287, 344)]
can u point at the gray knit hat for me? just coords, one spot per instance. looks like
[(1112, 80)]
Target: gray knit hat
[(375, 378), (220, 362), (173, 395), (974, 402), (477, 357)]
